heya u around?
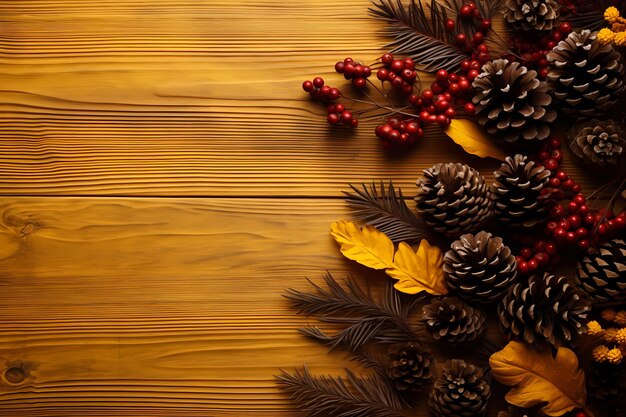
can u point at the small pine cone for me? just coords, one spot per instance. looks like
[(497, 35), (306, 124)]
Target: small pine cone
[(479, 268), (544, 308), (512, 103), (461, 391), (599, 143), (409, 367), (516, 192), (453, 321), (453, 199), (532, 14), (602, 272), (586, 76)]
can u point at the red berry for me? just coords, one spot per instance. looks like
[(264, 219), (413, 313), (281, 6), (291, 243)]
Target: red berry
[(333, 118), (552, 226), (472, 74), (484, 57), (551, 249), (427, 95), (556, 154), (432, 118), (442, 120), (359, 83), (555, 143), (562, 175), (532, 265), (346, 117), (522, 267), (454, 89), (386, 59), (551, 164), (397, 66), (408, 63), (541, 258), (557, 36), (543, 155), (308, 86), (485, 24), (555, 182), (557, 212), (442, 105), (442, 75), (450, 112), (565, 28), (466, 65), (576, 188), (571, 238), (572, 207), (560, 234), (539, 246), (478, 38), (574, 220), (464, 85), (461, 39), (318, 82), (564, 224), (334, 93), (339, 108), (568, 183), (397, 82), (469, 108), (412, 128), (424, 115), (526, 253), (466, 12), (340, 66), (581, 232), (584, 244), (394, 135), (382, 74), (354, 123), (579, 199), (590, 219), (450, 24), (603, 229)]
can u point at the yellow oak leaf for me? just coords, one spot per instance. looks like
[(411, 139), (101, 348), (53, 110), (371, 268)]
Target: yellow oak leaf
[(473, 139), (415, 271), (538, 377)]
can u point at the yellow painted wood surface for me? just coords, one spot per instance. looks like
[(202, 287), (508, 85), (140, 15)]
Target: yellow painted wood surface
[(121, 293)]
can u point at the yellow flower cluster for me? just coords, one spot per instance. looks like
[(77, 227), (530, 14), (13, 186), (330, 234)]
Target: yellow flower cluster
[(613, 339), (616, 34)]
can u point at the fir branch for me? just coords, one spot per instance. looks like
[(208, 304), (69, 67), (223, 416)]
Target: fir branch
[(350, 397), (591, 15), (423, 39), (368, 320), (387, 211)]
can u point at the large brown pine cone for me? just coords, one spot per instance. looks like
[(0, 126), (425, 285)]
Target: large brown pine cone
[(409, 366), (532, 14), (461, 391), (599, 143), (516, 192), (451, 320), (512, 103), (586, 76), (602, 272), (479, 268), (544, 308), (453, 199)]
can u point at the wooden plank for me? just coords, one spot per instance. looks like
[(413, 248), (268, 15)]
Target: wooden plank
[(187, 98), (159, 307)]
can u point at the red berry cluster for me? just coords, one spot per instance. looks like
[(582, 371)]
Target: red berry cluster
[(338, 115), (400, 74), (571, 225), (319, 91), (531, 49), (398, 131), (356, 72)]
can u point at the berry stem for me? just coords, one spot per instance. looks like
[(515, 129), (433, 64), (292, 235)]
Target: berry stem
[(356, 100)]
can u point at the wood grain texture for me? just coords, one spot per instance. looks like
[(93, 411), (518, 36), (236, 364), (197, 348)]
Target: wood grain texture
[(159, 307), (190, 98)]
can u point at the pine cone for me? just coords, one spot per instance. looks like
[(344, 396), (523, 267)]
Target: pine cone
[(511, 102), (532, 14), (587, 77), (461, 391), (516, 192), (479, 268), (453, 199), (409, 367), (544, 308), (453, 321), (602, 272), (599, 143)]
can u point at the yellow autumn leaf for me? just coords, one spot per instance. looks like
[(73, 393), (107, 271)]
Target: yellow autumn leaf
[(537, 377), (473, 139), (415, 271)]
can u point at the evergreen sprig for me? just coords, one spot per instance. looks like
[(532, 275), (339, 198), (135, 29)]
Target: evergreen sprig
[(353, 396)]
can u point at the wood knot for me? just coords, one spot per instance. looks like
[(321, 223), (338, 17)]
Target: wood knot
[(15, 375)]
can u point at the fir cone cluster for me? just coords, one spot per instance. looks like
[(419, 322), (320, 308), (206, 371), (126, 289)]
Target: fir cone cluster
[(409, 366), (454, 199), (516, 192), (512, 103), (586, 76), (544, 308), (532, 14), (602, 272), (598, 143), (461, 391), (451, 320), (479, 268)]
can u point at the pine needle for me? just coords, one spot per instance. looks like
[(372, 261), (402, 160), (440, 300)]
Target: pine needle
[(387, 211), (591, 15), (353, 396)]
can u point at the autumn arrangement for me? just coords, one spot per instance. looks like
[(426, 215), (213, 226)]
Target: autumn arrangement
[(475, 271)]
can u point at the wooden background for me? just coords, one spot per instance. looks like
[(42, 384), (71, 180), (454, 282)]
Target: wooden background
[(163, 180)]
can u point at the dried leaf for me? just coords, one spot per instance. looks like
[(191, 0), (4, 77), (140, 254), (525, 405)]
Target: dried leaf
[(415, 271), (538, 378), (473, 139)]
